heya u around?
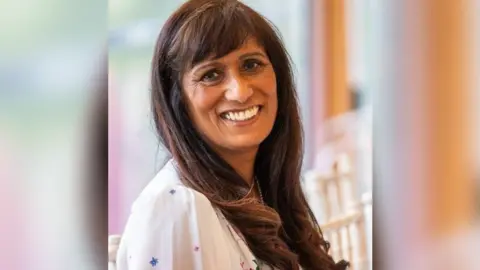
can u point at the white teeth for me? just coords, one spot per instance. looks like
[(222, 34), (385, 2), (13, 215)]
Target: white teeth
[(248, 113), (252, 112), (242, 116)]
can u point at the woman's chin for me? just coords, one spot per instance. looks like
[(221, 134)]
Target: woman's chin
[(245, 143)]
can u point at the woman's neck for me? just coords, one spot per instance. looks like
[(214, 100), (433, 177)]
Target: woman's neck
[(243, 163)]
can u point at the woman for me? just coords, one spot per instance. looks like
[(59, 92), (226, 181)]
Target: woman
[(225, 107)]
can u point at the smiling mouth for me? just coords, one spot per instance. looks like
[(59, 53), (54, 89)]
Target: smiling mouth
[(241, 116)]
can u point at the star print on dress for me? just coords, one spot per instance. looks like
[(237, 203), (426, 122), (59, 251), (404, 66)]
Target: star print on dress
[(154, 261), (172, 191), (196, 248)]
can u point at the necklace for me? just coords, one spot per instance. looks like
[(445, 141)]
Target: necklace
[(259, 191)]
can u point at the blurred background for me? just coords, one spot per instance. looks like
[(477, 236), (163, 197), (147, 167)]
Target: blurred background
[(52, 61), (401, 75)]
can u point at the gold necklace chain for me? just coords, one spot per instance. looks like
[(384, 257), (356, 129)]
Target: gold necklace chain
[(259, 190)]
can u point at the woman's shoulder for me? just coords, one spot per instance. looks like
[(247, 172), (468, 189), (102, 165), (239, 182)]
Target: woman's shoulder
[(166, 194), (169, 221)]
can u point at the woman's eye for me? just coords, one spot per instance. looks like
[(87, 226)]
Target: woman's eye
[(251, 65), (211, 76)]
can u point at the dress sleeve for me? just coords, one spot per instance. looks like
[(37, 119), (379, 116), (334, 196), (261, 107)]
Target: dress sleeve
[(177, 229)]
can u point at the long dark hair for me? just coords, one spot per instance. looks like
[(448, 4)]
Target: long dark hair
[(283, 233)]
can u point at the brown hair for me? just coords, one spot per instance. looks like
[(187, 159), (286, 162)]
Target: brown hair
[(283, 233)]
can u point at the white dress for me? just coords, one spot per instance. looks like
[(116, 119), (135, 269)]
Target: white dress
[(173, 227)]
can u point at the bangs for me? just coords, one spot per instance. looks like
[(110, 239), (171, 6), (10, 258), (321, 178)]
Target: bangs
[(213, 33)]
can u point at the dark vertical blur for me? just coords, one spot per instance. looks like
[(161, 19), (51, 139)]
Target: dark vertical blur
[(97, 186), (53, 134)]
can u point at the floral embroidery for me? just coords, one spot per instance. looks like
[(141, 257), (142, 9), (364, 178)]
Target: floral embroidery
[(172, 191), (154, 261)]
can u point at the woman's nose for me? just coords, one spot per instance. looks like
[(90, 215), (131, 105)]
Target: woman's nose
[(238, 89)]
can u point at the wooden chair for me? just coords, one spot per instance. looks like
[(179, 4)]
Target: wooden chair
[(344, 218)]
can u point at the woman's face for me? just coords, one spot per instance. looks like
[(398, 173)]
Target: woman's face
[(233, 100)]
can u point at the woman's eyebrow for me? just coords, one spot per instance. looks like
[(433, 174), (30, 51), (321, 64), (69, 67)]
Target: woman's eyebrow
[(215, 63), (206, 65), (246, 55)]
